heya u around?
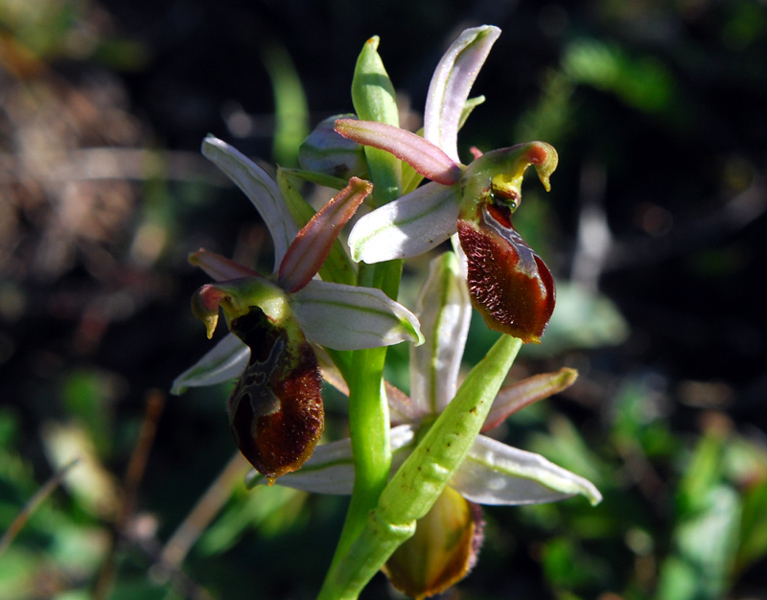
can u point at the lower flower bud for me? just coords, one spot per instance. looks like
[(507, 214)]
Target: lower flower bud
[(443, 549)]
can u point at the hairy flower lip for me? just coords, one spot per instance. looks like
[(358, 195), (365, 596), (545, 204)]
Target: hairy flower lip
[(510, 285)]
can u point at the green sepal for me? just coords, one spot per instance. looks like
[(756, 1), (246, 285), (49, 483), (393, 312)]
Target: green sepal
[(374, 99), (322, 179)]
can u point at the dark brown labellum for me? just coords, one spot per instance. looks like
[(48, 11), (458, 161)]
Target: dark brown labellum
[(510, 285), (276, 410)]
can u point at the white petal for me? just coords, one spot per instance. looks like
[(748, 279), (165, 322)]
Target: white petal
[(259, 187), (409, 226), (494, 473), (345, 317), (330, 470), (225, 361), (451, 83), (444, 310)]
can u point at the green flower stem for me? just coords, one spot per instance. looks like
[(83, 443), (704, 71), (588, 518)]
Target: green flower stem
[(422, 478), (375, 100), (368, 417)]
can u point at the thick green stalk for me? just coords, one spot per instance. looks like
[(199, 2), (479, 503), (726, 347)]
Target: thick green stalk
[(368, 417), (374, 99)]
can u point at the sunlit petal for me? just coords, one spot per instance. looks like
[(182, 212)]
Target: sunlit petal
[(224, 362), (451, 83), (257, 186), (494, 473), (444, 310), (344, 317), (426, 158), (409, 226)]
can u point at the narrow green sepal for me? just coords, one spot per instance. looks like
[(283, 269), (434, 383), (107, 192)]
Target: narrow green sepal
[(374, 99)]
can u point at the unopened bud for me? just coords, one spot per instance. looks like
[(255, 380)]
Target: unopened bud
[(326, 151)]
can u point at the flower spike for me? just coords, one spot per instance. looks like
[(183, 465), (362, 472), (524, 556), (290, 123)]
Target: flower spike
[(276, 412)]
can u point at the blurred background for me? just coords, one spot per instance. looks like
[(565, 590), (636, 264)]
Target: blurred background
[(654, 229)]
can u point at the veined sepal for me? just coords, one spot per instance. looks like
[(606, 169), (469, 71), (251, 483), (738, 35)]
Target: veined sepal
[(326, 151), (451, 83), (259, 187)]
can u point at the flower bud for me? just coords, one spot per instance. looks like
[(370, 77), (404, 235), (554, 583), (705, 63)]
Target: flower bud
[(443, 549), (326, 151)]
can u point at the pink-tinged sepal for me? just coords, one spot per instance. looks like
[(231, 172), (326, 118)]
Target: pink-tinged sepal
[(509, 283), (276, 411), (426, 158), (219, 267)]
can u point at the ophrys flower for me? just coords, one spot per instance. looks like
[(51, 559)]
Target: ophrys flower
[(276, 408), (509, 283)]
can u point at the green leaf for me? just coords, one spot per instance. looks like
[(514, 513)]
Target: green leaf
[(419, 482)]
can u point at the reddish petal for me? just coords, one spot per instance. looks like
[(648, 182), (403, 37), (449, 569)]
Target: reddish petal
[(517, 396), (312, 244), (276, 411), (509, 283), (219, 267)]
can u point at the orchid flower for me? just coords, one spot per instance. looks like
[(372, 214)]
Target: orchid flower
[(276, 409), (509, 283), (447, 539)]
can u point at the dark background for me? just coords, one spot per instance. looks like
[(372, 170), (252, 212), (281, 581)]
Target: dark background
[(657, 112)]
